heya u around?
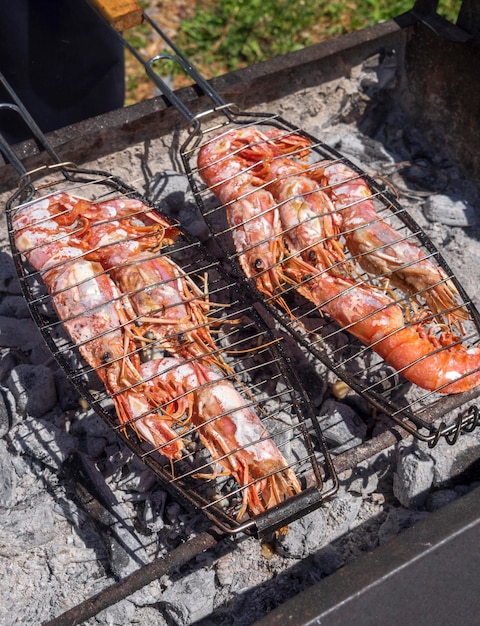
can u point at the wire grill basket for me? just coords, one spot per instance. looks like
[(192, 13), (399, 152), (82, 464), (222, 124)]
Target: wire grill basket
[(435, 338), (167, 349)]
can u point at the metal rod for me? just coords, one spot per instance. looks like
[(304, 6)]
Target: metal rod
[(28, 119), (135, 581)]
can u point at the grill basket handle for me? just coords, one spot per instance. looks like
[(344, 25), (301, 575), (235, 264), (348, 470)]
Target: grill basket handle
[(18, 107), (175, 55)]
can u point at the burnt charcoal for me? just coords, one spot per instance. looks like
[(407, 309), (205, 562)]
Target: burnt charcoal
[(450, 211), (341, 426), (7, 415), (14, 306), (57, 552), (9, 282), (21, 333), (167, 189), (341, 515), (363, 479), (327, 560), (33, 388), (191, 599), (125, 612), (31, 521), (305, 536), (449, 466), (45, 442), (9, 479), (398, 520), (413, 476), (438, 499)]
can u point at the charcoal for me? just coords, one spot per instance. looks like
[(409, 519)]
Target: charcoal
[(21, 333), (120, 614), (398, 520), (14, 306), (341, 425), (9, 282), (341, 514), (327, 560), (362, 479), (44, 441), (9, 479), (8, 417), (191, 599), (305, 536), (413, 476), (439, 499), (450, 211), (449, 466), (33, 388)]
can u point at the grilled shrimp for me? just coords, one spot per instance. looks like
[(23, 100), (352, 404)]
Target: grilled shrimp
[(168, 308), (228, 426), (431, 360), (251, 210), (90, 306), (381, 249), (308, 218), (378, 247), (434, 362)]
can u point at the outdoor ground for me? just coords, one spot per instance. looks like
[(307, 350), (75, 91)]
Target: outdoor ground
[(168, 15)]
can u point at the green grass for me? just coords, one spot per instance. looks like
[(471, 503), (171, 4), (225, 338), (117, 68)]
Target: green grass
[(225, 35)]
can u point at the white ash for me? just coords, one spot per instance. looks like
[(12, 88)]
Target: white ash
[(33, 387), (421, 469), (413, 477), (363, 479), (341, 425), (450, 211), (58, 547)]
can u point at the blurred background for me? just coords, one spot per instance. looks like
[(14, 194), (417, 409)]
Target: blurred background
[(221, 36)]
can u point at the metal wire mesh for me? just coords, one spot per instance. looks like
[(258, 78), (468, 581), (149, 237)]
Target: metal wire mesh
[(403, 369), (167, 347)]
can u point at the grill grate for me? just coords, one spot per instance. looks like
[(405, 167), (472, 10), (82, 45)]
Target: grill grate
[(440, 325), (153, 332)]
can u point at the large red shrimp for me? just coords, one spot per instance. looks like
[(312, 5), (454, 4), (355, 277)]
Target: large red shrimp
[(169, 310), (436, 363), (229, 428), (250, 208), (91, 308), (380, 249), (308, 218), (278, 158)]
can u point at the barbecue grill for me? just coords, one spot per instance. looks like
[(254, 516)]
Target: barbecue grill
[(429, 418)]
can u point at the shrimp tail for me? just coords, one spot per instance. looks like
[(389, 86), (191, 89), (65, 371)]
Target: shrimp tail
[(434, 363), (235, 437)]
